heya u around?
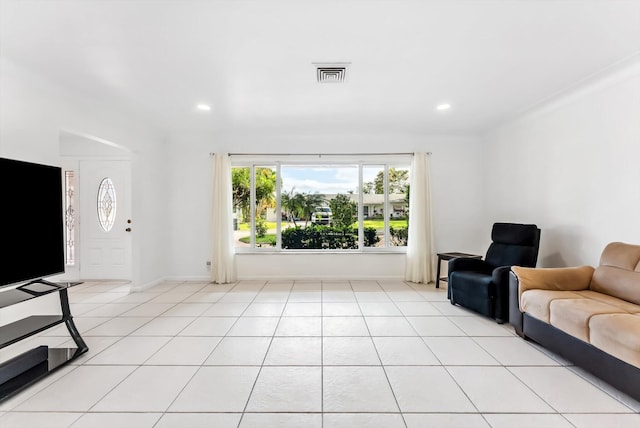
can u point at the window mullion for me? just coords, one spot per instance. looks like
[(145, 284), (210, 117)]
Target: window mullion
[(278, 207), (360, 209), (252, 199), (386, 206)]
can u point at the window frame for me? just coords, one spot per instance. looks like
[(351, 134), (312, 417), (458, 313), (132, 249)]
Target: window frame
[(360, 161)]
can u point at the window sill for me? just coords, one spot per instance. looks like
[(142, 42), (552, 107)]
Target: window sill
[(315, 252)]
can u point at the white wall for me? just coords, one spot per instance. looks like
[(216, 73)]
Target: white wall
[(34, 111), (456, 191), (171, 180), (572, 167)]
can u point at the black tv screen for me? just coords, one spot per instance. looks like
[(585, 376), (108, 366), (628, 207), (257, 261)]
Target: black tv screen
[(32, 221)]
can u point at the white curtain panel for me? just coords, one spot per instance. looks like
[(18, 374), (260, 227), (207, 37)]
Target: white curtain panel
[(419, 266), (223, 268)]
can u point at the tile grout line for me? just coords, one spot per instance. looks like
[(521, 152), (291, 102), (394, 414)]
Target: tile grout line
[(321, 354), (137, 367), (382, 366), (244, 410), (162, 413), (199, 367)]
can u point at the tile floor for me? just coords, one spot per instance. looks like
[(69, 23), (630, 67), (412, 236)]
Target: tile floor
[(307, 354)]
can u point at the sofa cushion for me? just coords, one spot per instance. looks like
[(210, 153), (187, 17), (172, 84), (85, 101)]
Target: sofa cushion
[(632, 308), (572, 315), (619, 272), (536, 302), (618, 335)]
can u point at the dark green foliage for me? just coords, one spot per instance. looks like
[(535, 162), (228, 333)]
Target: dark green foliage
[(344, 211), (371, 237), (399, 236), (316, 237), (319, 238), (261, 227)]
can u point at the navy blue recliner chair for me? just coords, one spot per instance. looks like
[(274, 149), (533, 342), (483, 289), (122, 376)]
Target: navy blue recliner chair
[(483, 285)]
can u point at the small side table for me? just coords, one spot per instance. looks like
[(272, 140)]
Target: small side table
[(447, 257)]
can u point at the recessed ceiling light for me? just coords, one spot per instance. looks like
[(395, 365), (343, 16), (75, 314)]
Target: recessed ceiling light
[(443, 107), (203, 107)]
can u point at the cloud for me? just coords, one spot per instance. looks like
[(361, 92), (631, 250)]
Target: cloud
[(332, 179)]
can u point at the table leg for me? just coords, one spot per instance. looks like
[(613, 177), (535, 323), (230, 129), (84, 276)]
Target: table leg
[(438, 272)]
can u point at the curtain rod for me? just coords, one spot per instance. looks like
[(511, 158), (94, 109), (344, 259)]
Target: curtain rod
[(320, 154)]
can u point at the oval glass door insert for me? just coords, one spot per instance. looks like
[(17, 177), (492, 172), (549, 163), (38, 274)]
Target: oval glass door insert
[(106, 204)]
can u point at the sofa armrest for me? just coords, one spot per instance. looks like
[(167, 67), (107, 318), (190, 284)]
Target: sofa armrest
[(500, 277), (515, 315), (561, 279)]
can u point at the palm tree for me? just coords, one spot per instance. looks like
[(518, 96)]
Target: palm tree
[(293, 203), (311, 201)]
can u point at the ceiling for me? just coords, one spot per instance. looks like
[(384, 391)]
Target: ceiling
[(252, 61)]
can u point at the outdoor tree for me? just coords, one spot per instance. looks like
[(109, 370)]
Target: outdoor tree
[(265, 190), (311, 201), (344, 210), (407, 196), (368, 187), (241, 185), (293, 204), (398, 182)]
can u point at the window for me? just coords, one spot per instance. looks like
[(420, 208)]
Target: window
[(70, 217), (386, 198), (337, 205), (254, 206)]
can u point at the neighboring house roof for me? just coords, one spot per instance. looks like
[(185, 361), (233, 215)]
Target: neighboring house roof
[(377, 199), (371, 198)]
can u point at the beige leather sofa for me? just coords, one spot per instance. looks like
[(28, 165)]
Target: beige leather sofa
[(589, 316)]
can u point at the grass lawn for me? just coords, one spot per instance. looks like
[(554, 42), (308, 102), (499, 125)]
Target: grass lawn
[(246, 226), (269, 239), (379, 224)]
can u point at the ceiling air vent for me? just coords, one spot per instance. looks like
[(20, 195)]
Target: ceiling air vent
[(331, 72)]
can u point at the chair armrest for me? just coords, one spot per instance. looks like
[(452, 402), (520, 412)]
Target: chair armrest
[(500, 277), (563, 279), (469, 264)]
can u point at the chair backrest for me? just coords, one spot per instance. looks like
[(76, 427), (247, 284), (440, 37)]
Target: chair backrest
[(619, 272), (514, 245)]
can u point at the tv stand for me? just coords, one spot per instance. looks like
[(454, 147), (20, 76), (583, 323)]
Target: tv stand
[(25, 369)]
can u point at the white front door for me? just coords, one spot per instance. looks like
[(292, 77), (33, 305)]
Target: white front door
[(105, 220)]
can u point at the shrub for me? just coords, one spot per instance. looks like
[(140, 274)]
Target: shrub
[(371, 237), (344, 210), (399, 236), (320, 238), (293, 237), (261, 227)]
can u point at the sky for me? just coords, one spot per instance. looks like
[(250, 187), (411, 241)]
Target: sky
[(324, 180)]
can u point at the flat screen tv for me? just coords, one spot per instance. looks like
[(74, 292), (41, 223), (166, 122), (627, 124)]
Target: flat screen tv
[(32, 221)]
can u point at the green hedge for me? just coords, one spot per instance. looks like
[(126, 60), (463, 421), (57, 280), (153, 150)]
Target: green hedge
[(317, 237), (399, 236)]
